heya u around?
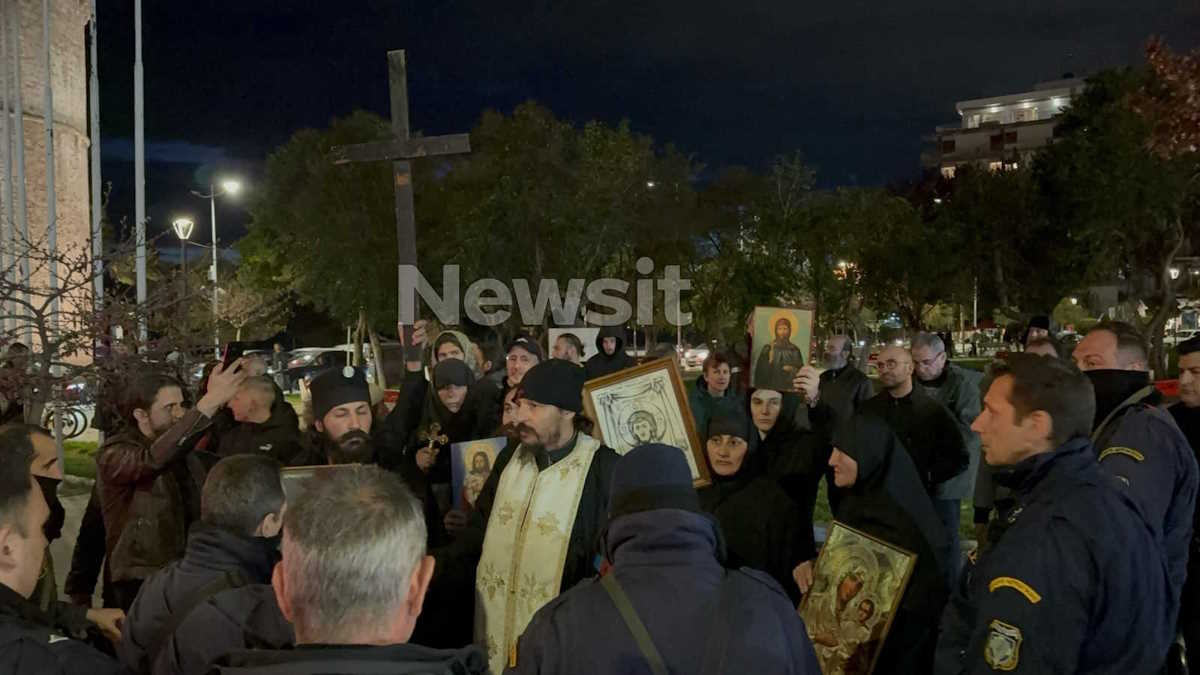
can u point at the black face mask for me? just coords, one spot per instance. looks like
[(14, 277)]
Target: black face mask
[(1113, 387), (58, 515)]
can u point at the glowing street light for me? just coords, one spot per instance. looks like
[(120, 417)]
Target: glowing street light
[(1074, 301), (230, 187), (183, 229), (1174, 271)]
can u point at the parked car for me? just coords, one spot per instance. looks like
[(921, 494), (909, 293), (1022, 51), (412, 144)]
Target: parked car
[(694, 357), (311, 360), (1173, 338)]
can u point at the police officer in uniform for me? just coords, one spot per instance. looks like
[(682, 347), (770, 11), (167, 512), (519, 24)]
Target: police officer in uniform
[(28, 642), (1078, 582), (1139, 442)]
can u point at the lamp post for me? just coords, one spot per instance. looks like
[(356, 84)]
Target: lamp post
[(183, 229), (227, 187)]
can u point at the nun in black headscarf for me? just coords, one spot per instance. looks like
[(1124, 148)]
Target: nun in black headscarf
[(763, 528), (882, 494)]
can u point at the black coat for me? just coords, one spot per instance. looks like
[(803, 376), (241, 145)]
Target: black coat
[(419, 408), (29, 643), (889, 502), (232, 620), (340, 659), (87, 558), (763, 528), (280, 436), (211, 552), (601, 364), (796, 458), (928, 432), (845, 390)]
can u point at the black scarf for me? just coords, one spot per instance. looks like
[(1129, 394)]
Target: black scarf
[(888, 501), (731, 423), (1113, 387)]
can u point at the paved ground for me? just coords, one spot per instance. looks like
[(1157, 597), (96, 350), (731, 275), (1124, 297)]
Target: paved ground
[(74, 496)]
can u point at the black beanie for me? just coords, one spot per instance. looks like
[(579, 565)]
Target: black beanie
[(452, 371), (728, 421), (528, 344), (650, 477), (555, 382), (338, 386), (1041, 321)]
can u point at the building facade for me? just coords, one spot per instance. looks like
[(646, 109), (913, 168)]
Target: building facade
[(1000, 131)]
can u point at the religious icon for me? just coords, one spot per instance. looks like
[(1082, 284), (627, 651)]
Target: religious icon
[(858, 582), (781, 337), (645, 404), (471, 463)]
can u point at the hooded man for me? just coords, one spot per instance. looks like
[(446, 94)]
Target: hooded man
[(1137, 441), (610, 354), (665, 603)]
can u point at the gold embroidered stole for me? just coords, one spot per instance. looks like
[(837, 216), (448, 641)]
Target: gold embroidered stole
[(525, 546)]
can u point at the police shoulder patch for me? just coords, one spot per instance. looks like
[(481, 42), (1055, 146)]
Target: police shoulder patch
[(1003, 649), (1119, 450), (1017, 585)]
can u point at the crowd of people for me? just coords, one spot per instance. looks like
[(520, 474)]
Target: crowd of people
[(211, 557)]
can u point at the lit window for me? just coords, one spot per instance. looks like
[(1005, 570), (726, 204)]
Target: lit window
[(995, 166), (948, 172)]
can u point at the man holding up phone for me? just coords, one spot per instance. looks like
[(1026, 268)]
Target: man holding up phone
[(149, 481)]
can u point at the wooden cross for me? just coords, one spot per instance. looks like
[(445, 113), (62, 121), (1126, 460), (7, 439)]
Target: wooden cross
[(399, 150)]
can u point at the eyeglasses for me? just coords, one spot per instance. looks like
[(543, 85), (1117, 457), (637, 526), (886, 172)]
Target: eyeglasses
[(891, 364), (929, 362)]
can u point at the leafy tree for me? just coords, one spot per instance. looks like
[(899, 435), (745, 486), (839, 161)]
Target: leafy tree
[(327, 232), (1131, 209)]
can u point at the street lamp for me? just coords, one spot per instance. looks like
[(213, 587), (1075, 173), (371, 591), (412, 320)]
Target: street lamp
[(1174, 271), (228, 187), (1074, 301), (183, 229)]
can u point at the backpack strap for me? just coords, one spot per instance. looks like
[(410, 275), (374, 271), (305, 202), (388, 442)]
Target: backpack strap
[(632, 621), (225, 581)]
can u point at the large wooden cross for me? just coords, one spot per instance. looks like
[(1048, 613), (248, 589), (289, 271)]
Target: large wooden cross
[(399, 150)]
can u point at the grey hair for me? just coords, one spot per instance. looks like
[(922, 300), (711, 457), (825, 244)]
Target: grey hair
[(349, 550), (929, 340), (262, 387)]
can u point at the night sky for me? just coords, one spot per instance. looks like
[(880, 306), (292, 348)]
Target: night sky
[(854, 84)]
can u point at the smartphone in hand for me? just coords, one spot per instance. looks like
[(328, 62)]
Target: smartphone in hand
[(232, 352)]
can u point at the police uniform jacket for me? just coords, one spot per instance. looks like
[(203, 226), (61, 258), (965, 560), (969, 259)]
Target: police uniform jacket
[(1077, 584), (29, 645), (1142, 446)]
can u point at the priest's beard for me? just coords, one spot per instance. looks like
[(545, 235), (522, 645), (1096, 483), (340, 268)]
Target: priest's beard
[(553, 440), (353, 447)]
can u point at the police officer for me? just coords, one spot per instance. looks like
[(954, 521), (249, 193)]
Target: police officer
[(1138, 442), (28, 642), (1078, 582)]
